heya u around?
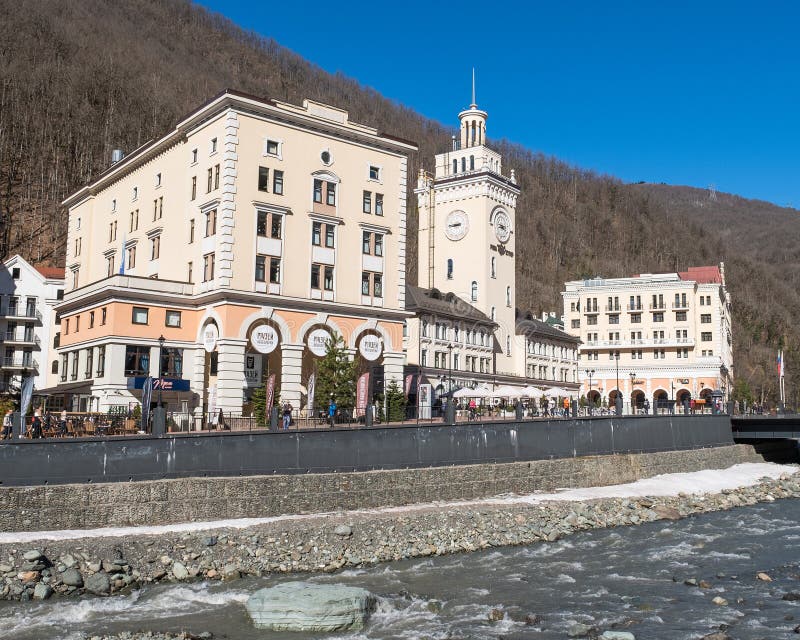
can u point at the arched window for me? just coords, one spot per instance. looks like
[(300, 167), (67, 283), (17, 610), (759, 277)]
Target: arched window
[(463, 164), (494, 267), (449, 268), (508, 296), (455, 166), (474, 291), (472, 163)]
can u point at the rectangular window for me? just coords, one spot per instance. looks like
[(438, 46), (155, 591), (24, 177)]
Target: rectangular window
[(155, 209), (658, 317), (261, 223), (277, 183), (77, 324), (330, 235), (101, 361), (365, 285), (316, 234), (91, 319), (131, 257), (172, 362), (328, 282), (275, 226), (366, 243), (189, 276), (213, 145), (613, 319), (155, 247), (211, 222), (74, 372), (103, 315), (110, 265), (680, 316), (87, 372), (173, 318), (318, 191), (378, 249), (378, 204), (194, 187), (216, 176), (261, 268), (275, 270), (314, 276), (636, 318), (194, 156), (137, 360), (374, 173), (263, 179), (591, 320), (705, 318), (272, 147), (208, 267), (367, 202), (705, 336), (210, 180), (576, 324), (330, 194), (191, 231), (377, 285), (139, 315), (702, 302)]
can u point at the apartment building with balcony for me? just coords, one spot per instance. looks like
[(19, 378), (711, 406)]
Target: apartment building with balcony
[(652, 336), (245, 238), (28, 323)]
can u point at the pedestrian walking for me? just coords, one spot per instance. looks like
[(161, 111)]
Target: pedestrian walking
[(331, 412), (287, 416), (8, 425)]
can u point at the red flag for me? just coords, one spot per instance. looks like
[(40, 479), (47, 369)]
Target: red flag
[(361, 396)]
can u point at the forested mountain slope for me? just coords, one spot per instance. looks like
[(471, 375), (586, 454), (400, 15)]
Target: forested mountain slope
[(80, 78)]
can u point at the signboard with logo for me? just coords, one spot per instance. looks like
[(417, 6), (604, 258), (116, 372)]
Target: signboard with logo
[(264, 339), (210, 337), (164, 384), (370, 347), (252, 370), (424, 399), (318, 342)]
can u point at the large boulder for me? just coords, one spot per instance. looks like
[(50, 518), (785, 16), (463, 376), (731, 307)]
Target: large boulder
[(302, 606)]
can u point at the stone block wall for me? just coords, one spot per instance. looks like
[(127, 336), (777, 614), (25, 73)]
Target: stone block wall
[(86, 506)]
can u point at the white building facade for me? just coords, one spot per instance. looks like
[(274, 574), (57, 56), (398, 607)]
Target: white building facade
[(654, 338)]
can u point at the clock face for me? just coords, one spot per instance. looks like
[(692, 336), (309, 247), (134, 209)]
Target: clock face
[(502, 226), (456, 225)]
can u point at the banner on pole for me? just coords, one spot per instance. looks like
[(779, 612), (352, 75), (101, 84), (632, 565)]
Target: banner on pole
[(362, 393), (212, 404), (147, 395), (26, 393), (312, 384), (270, 395), (409, 380)]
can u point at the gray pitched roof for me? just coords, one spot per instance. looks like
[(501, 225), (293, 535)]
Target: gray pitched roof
[(448, 305), (532, 327)]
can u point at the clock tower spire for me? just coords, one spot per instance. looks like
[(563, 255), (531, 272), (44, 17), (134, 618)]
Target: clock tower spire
[(466, 241)]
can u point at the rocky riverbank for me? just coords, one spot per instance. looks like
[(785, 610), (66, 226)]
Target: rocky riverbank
[(107, 566)]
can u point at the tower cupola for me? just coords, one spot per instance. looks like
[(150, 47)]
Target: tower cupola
[(473, 123)]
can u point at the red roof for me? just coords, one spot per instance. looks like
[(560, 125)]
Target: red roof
[(56, 273), (702, 275)]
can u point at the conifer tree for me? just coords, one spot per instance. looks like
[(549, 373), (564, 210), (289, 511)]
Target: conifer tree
[(395, 402), (336, 376), (259, 400)]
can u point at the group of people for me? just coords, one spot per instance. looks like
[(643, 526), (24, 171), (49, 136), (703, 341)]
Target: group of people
[(40, 422)]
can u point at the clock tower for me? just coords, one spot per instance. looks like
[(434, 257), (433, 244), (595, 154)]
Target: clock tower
[(466, 233)]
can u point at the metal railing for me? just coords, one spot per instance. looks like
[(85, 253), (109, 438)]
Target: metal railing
[(20, 363), (20, 311), (12, 336)]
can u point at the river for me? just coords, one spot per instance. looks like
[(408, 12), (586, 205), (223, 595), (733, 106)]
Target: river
[(631, 577)]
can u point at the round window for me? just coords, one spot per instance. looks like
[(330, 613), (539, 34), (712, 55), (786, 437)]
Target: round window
[(326, 157)]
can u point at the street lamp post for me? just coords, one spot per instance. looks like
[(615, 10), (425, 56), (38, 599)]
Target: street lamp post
[(161, 341), (450, 416), (590, 373), (633, 379), (618, 396)]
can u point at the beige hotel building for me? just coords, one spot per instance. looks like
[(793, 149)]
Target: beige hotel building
[(667, 335), (244, 237)]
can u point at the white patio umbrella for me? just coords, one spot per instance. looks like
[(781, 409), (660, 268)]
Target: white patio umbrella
[(465, 392), (557, 392), (532, 392), (507, 391)]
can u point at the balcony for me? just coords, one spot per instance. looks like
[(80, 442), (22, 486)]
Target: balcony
[(20, 363), (658, 306), (21, 312), (638, 343), (612, 309), (23, 339), (633, 308), (680, 306), (591, 312)]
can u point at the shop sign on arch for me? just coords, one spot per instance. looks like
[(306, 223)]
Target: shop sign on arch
[(264, 339), (370, 347), (318, 342), (210, 337)]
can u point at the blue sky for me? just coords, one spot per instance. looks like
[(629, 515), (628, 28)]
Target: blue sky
[(693, 93)]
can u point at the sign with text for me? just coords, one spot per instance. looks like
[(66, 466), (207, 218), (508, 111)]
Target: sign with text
[(264, 339), (370, 347), (318, 342), (163, 384), (252, 370), (362, 393), (210, 337)]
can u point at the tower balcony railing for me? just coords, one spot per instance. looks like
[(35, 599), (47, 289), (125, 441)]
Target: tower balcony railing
[(638, 342), (633, 307), (12, 337), (15, 362), (680, 306), (657, 306)]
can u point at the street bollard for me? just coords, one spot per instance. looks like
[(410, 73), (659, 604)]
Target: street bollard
[(273, 419), (159, 422)]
